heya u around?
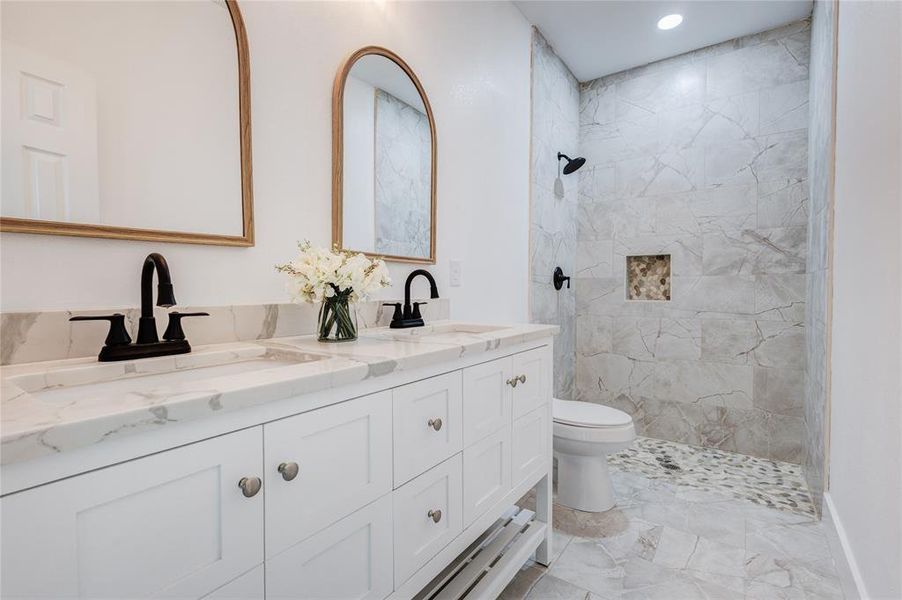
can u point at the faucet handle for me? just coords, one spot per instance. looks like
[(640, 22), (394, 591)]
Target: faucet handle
[(118, 334), (416, 310), (174, 331), (396, 316)]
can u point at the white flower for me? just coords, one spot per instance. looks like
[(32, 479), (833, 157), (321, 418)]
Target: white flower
[(319, 273)]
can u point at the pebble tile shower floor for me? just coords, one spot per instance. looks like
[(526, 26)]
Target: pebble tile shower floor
[(690, 523)]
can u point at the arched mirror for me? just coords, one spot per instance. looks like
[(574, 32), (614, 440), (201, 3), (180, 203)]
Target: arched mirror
[(126, 120), (383, 159)]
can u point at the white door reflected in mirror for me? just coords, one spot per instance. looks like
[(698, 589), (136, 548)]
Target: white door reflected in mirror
[(122, 114)]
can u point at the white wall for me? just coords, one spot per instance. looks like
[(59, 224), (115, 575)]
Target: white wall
[(865, 453), (472, 59), (359, 168)]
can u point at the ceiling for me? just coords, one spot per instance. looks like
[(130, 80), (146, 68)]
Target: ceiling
[(596, 38)]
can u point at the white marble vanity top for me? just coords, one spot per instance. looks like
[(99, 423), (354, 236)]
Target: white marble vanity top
[(55, 406)]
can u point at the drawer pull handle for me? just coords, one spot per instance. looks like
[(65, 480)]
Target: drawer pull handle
[(435, 515), (250, 486), (435, 424), (289, 470), (522, 378), (513, 381)]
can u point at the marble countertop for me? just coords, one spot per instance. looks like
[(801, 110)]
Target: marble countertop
[(46, 407)]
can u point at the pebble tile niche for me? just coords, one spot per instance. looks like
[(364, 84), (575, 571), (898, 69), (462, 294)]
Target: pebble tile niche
[(648, 277)]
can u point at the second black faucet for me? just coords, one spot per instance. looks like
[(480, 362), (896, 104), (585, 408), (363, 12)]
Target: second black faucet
[(410, 316)]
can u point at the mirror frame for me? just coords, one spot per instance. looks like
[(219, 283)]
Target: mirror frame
[(37, 226), (338, 90)]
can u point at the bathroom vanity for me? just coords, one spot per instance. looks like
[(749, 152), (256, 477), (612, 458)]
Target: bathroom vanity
[(283, 468)]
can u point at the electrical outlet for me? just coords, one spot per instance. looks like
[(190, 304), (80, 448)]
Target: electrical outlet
[(454, 273)]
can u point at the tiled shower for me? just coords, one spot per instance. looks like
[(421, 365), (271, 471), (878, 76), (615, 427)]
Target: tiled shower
[(689, 243)]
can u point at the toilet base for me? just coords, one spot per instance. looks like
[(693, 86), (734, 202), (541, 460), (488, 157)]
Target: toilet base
[(584, 482)]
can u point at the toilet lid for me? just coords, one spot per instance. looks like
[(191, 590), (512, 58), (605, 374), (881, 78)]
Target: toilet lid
[(587, 414)]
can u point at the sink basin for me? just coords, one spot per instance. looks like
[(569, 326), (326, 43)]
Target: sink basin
[(150, 376), (438, 331)]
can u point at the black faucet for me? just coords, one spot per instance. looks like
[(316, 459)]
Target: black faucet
[(411, 317), (119, 346)]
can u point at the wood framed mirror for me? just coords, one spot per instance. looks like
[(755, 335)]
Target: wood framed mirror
[(127, 120), (383, 159)]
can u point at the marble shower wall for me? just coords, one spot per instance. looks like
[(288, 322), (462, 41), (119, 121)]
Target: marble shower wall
[(36, 336), (552, 220), (403, 151), (703, 157), (820, 165)]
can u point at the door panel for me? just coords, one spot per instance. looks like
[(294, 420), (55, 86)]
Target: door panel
[(352, 559), (171, 525), (343, 455), (487, 399), (487, 473), (535, 367)]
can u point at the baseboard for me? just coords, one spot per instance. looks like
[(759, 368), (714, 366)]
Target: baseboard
[(847, 568)]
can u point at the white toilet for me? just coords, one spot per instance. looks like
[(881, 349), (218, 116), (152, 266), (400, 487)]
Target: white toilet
[(584, 435)]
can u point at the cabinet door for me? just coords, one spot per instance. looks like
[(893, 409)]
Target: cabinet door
[(487, 473), (428, 424), (531, 444), (535, 367), (343, 455), (351, 559), (427, 516), (487, 399), (246, 587), (171, 525)]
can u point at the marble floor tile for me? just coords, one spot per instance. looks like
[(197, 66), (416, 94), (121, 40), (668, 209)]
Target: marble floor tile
[(712, 528)]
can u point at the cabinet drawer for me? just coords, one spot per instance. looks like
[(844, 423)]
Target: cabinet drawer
[(171, 525), (533, 366), (487, 473), (531, 444), (427, 424), (419, 536), (343, 457), (350, 559), (487, 399)]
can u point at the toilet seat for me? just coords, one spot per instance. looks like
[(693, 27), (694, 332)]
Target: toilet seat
[(587, 414), (587, 422)]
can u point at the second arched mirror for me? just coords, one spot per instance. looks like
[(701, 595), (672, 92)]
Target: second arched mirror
[(383, 159)]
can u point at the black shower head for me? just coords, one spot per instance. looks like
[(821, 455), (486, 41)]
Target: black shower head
[(573, 164)]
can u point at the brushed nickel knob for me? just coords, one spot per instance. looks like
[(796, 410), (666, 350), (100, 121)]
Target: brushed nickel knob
[(435, 424), (289, 470), (435, 515), (522, 378), (513, 382), (250, 486)]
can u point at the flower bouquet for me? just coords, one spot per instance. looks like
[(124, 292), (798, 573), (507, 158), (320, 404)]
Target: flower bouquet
[(337, 280)]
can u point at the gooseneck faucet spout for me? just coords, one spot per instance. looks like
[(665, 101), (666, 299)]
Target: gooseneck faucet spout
[(411, 317), (147, 325), (119, 344)]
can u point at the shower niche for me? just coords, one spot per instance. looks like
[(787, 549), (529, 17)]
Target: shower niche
[(648, 277)]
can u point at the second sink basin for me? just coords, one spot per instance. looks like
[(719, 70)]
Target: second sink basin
[(437, 332)]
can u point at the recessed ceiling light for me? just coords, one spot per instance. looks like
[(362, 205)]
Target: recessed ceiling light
[(670, 21)]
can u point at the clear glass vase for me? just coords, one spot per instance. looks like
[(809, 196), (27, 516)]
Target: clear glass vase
[(337, 319)]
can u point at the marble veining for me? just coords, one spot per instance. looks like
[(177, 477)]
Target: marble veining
[(553, 218), (44, 410), (702, 157), (820, 161), (403, 151), (40, 336), (669, 538)]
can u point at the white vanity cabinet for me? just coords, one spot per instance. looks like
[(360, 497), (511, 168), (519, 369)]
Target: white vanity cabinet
[(366, 496), (170, 525)]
